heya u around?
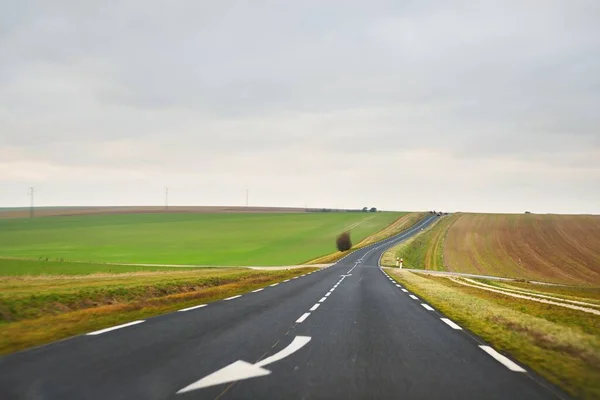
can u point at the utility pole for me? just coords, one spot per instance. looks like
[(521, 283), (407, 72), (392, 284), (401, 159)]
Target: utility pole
[(246, 197), (30, 193), (166, 199)]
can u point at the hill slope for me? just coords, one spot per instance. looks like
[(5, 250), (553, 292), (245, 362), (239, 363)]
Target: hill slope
[(200, 239), (556, 248)]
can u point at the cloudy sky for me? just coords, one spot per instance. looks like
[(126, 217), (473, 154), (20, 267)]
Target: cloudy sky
[(406, 105)]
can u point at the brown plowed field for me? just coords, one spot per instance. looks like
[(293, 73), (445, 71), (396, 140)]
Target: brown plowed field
[(553, 248), (56, 211)]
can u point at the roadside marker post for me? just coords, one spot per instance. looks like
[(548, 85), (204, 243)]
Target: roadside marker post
[(401, 263)]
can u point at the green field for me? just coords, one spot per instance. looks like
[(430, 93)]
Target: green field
[(13, 267), (192, 239)]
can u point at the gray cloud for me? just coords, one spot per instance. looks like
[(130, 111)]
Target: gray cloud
[(418, 105)]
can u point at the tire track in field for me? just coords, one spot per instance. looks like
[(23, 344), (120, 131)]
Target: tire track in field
[(519, 296)]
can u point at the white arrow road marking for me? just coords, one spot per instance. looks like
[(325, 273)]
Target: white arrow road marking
[(298, 343), (240, 370)]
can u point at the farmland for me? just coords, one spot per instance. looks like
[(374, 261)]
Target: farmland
[(14, 267), (552, 248), (23, 212), (228, 239)]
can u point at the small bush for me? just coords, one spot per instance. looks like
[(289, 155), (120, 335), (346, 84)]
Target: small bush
[(343, 242)]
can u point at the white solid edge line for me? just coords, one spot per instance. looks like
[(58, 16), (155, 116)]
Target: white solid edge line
[(451, 324), (313, 308), (427, 307), (258, 290), (275, 284), (302, 318), (502, 359), (322, 299), (412, 296), (233, 297), (405, 291), (192, 308), (114, 328)]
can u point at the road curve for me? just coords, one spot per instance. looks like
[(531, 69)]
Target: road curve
[(344, 332)]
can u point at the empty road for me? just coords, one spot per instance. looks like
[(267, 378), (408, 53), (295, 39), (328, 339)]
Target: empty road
[(345, 332)]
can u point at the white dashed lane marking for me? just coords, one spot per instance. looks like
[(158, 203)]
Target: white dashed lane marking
[(302, 318), (427, 307), (233, 297), (313, 308), (192, 308), (101, 331), (502, 359), (412, 296), (451, 324)]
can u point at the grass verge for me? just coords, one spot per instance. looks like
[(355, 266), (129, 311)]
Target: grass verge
[(39, 310), (424, 250), (561, 345)]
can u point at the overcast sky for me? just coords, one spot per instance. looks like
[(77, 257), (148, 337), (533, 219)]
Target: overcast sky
[(405, 105)]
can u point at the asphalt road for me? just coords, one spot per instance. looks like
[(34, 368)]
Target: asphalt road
[(346, 332)]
